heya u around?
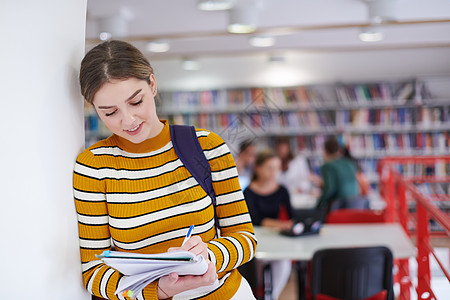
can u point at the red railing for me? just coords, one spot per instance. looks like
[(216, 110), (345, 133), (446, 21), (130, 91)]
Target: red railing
[(399, 191)]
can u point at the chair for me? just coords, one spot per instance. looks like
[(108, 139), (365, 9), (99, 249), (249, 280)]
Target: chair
[(352, 273), (355, 216)]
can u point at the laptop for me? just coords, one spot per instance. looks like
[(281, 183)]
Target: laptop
[(306, 222)]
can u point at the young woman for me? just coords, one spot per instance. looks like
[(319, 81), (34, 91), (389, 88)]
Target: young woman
[(266, 198), (133, 193), (295, 173)]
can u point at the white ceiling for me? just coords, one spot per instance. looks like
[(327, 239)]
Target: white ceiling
[(318, 40)]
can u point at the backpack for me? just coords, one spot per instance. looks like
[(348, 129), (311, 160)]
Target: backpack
[(187, 147)]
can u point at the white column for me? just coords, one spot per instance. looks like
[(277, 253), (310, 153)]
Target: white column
[(41, 123)]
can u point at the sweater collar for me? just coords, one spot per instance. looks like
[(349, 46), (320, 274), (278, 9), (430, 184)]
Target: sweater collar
[(151, 144)]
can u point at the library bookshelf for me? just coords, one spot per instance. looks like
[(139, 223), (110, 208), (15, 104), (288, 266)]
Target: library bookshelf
[(375, 119)]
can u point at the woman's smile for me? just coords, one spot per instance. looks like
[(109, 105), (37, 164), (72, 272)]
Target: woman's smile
[(134, 131)]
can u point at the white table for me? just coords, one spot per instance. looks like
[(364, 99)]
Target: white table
[(274, 246)]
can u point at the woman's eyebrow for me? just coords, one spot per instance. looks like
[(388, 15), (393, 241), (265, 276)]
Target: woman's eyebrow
[(129, 98), (134, 94)]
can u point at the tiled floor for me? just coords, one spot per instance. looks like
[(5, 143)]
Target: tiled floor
[(290, 290)]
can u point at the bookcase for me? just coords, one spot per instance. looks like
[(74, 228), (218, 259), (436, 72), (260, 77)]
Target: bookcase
[(375, 119)]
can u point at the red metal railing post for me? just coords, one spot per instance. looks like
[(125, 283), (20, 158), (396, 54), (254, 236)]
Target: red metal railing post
[(403, 209), (423, 254), (390, 197), (403, 264)]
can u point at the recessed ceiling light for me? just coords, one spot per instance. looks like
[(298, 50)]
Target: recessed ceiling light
[(158, 46), (241, 28), (104, 36), (262, 41), (191, 65), (371, 34), (242, 20), (211, 5)]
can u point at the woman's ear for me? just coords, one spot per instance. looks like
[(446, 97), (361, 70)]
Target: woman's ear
[(153, 85)]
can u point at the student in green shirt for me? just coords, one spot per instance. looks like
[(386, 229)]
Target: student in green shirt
[(340, 187)]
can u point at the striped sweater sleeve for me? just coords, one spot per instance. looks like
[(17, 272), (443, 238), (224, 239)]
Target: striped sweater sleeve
[(94, 235), (237, 243)]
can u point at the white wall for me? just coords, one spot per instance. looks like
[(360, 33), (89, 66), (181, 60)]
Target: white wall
[(42, 132)]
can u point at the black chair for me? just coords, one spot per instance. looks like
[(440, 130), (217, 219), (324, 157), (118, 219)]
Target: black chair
[(249, 272), (352, 273)]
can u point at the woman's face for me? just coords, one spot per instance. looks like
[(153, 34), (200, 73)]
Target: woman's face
[(283, 149), (127, 107), (270, 169)]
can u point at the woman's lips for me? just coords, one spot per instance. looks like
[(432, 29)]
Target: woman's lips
[(135, 130)]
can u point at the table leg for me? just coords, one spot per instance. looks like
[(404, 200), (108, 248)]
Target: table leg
[(301, 267), (267, 276)]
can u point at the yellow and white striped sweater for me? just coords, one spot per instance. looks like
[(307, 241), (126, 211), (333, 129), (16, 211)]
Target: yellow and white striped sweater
[(141, 198)]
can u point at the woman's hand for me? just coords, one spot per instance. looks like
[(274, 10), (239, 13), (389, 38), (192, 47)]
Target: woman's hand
[(277, 224), (194, 245), (173, 284)]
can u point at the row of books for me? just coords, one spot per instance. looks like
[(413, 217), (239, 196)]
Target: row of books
[(299, 96), (397, 144), (435, 189), (378, 144), (403, 116), (395, 92), (304, 122), (266, 121), (413, 169)]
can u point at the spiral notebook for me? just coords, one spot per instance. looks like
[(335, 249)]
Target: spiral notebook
[(141, 269)]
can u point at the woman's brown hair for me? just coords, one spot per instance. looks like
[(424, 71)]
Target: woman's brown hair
[(261, 158), (111, 60), (284, 140)]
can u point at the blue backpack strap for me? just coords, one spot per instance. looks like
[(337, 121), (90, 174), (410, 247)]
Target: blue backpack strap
[(187, 147)]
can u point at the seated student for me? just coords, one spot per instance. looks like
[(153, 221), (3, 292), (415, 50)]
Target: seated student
[(340, 187), (265, 199)]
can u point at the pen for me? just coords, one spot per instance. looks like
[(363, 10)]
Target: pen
[(188, 235)]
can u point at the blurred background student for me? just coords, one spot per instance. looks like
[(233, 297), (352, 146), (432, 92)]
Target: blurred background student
[(296, 175), (363, 182), (244, 162), (339, 183), (266, 199)]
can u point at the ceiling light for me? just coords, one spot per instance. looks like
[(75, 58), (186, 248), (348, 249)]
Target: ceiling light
[(191, 65), (242, 19), (262, 41), (104, 36), (158, 46), (211, 5), (112, 26), (382, 10), (371, 34), (115, 25)]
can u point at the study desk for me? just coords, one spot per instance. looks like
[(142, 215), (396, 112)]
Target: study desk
[(274, 246)]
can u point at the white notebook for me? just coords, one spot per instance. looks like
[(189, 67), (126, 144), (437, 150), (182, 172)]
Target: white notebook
[(141, 269)]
